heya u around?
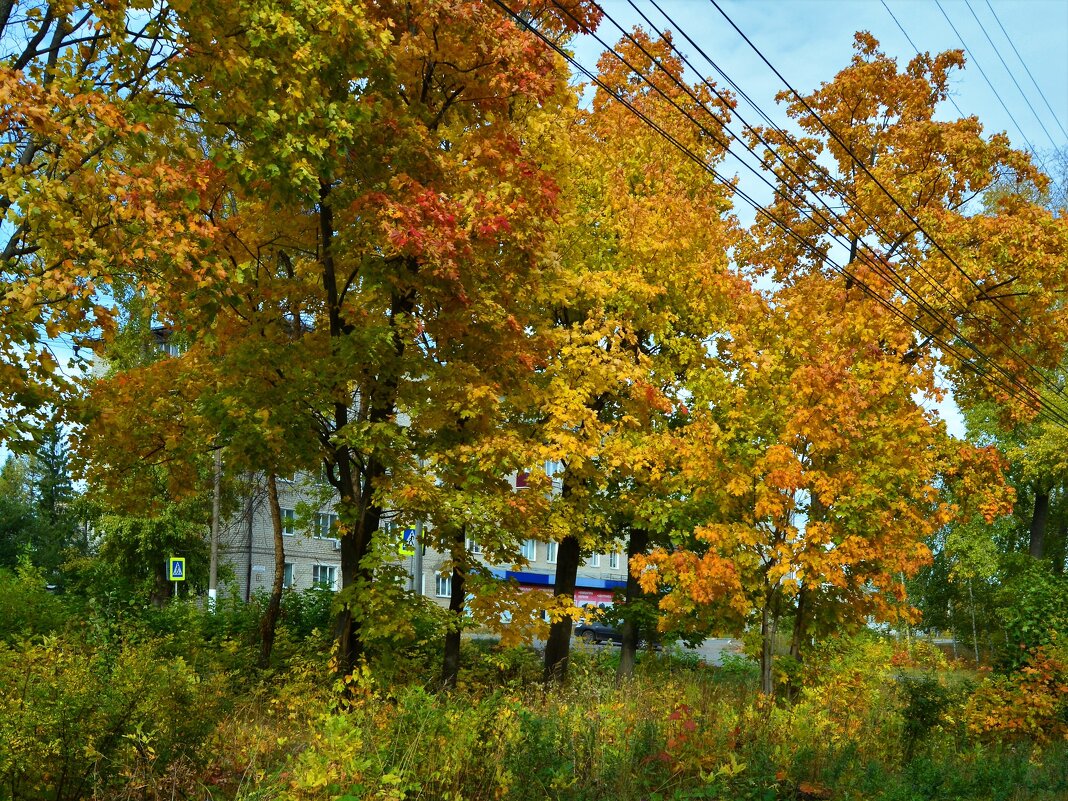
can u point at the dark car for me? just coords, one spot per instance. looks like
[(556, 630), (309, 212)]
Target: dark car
[(598, 632)]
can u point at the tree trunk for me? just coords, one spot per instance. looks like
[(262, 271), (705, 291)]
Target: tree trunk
[(356, 536), (975, 630), (558, 647), (457, 598), (162, 589), (1060, 554), (798, 639), (250, 520), (355, 580), (360, 510), (1038, 523), (628, 650), (269, 624), (767, 641), (817, 513)]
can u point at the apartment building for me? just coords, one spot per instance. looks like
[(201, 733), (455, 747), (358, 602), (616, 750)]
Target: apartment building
[(313, 553)]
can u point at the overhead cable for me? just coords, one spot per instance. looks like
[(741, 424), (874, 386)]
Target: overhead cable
[(1013, 388), (884, 270), (1012, 77), (959, 306), (1023, 63)]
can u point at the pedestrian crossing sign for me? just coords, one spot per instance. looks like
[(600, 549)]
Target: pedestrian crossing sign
[(176, 568), (407, 545)]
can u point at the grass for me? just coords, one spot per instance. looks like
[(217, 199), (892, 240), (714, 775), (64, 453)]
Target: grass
[(152, 709)]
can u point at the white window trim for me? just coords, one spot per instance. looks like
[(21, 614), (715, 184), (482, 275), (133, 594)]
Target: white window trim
[(443, 581), (613, 560), (332, 519), (594, 560), (332, 571), (288, 522), (551, 551)]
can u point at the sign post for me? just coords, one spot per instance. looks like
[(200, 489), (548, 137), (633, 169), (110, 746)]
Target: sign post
[(176, 571)]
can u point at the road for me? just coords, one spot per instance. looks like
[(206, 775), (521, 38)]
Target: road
[(711, 651)]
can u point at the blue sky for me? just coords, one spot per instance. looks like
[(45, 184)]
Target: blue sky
[(810, 40)]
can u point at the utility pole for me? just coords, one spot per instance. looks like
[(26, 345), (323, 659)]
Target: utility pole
[(417, 571), (216, 511)]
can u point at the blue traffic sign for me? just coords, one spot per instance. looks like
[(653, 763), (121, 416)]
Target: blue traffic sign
[(407, 546), (176, 568)]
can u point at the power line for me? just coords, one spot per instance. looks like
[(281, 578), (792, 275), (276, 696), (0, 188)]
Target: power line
[(1041, 94), (1014, 388), (916, 48), (814, 164), (901, 283), (883, 270), (997, 95), (983, 291), (1016, 83), (901, 28)]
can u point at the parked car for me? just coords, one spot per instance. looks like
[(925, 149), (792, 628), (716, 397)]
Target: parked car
[(595, 632)]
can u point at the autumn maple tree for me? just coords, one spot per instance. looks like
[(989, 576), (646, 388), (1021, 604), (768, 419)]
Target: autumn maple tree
[(88, 197), (379, 154), (912, 226), (630, 309), (822, 474)]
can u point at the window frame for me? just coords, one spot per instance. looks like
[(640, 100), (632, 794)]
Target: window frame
[(331, 571), (332, 518), (443, 581), (289, 519)]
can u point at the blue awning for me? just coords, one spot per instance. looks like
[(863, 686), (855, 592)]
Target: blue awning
[(548, 579)]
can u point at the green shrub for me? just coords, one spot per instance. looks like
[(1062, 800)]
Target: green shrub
[(1033, 607), (80, 720), (737, 669), (29, 609), (926, 701), (306, 612)]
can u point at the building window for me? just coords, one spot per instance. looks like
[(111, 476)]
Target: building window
[(289, 521), (529, 550), (325, 525), (473, 547), (325, 576), (550, 552), (522, 479), (594, 560), (613, 560), (287, 575), (444, 589)]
